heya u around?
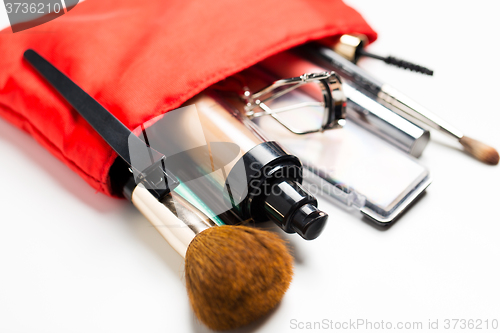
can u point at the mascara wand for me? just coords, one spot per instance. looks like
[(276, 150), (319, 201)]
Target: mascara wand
[(351, 47), (397, 62), (234, 274)]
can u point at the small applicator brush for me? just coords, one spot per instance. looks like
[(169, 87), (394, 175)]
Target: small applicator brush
[(479, 150), (408, 108), (395, 100), (234, 274)]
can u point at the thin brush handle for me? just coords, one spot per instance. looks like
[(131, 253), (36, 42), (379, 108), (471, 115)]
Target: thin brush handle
[(385, 94), (106, 124), (113, 131), (147, 163), (406, 107)]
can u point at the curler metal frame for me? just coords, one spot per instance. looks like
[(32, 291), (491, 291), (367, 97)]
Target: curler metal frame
[(334, 100)]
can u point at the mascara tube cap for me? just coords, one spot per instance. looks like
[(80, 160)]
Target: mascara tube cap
[(349, 46), (289, 205)]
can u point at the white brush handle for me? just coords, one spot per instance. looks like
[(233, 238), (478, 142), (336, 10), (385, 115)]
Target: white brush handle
[(175, 219)]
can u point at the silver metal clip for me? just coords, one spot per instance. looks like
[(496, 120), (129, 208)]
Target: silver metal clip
[(334, 100)]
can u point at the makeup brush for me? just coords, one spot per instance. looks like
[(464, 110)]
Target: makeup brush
[(409, 108), (395, 100), (234, 274)]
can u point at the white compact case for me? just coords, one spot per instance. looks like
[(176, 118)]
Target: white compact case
[(356, 168)]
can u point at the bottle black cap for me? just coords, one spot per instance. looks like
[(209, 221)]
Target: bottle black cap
[(308, 221), (294, 210), (270, 189)]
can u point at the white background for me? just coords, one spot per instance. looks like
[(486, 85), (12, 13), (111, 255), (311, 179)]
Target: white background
[(72, 260)]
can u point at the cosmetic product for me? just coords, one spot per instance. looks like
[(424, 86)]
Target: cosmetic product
[(351, 47), (362, 109), (351, 166), (232, 167), (395, 100), (227, 268)]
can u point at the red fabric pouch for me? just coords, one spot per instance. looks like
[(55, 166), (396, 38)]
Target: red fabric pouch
[(140, 59)]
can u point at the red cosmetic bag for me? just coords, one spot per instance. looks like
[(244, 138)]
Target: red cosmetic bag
[(140, 59)]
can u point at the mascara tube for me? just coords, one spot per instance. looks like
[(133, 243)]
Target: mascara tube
[(365, 105), (378, 119)]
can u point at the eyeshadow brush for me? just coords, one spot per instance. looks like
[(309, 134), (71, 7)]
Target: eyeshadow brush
[(395, 100)]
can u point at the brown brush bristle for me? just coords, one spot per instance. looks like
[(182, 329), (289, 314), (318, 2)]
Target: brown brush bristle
[(236, 274), (480, 150)]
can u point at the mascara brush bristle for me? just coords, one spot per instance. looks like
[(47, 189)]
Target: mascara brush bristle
[(479, 150), (236, 274)]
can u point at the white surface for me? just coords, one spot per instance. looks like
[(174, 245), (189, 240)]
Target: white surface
[(72, 260)]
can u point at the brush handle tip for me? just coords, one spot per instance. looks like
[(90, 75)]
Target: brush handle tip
[(479, 150)]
